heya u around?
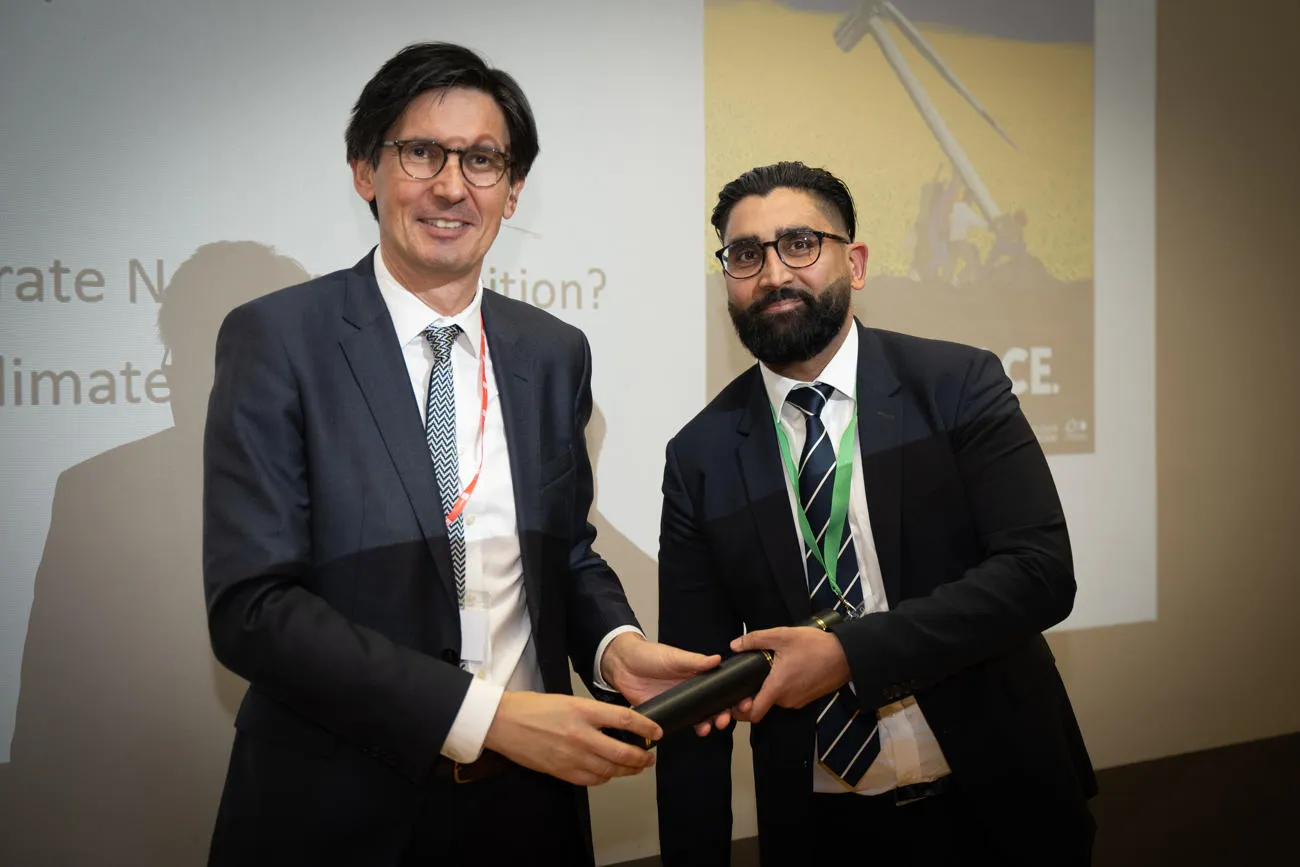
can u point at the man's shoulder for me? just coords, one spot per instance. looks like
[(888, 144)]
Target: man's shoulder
[(920, 359), (298, 302), (912, 346), (319, 293), (953, 377), (544, 327), (724, 412)]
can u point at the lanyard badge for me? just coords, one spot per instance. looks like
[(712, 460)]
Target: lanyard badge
[(827, 553), (463, 498)]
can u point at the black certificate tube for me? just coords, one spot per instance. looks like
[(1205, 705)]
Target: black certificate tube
[(706, 695)]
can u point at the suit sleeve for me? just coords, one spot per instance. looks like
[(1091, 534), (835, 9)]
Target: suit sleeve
[(693, 774), (265, 622), (1024, 582), (597, 603)]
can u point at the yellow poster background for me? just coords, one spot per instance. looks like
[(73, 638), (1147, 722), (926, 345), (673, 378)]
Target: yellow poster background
[(778, 87)]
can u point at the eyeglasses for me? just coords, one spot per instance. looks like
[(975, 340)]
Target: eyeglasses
[(422, 159), (797, 249)]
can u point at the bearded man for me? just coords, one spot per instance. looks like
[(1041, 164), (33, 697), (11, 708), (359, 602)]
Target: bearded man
[(894, 479)]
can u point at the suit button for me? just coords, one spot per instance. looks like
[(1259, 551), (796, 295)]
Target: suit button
[(451, 656)]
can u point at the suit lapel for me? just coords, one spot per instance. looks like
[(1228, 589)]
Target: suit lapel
[(763, 474), (514, 369), (376, 362), (880, 434)]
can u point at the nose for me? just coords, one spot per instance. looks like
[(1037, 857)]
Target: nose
[(775, 273), (449, 183)]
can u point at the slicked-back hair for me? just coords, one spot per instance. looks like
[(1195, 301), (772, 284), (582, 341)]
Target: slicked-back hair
[(829, 190), (429, 66)]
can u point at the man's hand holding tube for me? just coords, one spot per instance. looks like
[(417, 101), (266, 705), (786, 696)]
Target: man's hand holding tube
[(788, 666), (562, 735), (807, 663), (640, 670)]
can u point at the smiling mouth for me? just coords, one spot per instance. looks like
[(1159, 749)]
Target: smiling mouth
[(445, 224), (783, 306)]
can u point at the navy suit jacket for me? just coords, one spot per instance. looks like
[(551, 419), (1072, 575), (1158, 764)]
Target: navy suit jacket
[(975, 560), (326, 563)]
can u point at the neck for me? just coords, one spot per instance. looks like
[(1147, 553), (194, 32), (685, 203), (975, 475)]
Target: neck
[(446, 299), (808, 371), (446, 295)]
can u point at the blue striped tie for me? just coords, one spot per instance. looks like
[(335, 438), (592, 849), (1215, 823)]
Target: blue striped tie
[(440, 431), (846, 737)]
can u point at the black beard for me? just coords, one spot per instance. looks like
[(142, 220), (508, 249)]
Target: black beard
[(789, 338)]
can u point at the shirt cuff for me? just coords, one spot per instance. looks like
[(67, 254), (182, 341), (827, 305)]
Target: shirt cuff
[(600, 654), (469, 729)]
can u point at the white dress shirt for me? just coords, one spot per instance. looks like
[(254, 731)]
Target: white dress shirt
[(493, 561), (909, 752)]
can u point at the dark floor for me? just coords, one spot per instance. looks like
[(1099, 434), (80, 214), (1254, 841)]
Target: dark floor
[(1237, 805)]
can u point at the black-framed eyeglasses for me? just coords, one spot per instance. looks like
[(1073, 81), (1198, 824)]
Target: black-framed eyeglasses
[(797, 249), (422, 159)]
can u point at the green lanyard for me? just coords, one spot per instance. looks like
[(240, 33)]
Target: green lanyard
[(829, 553)]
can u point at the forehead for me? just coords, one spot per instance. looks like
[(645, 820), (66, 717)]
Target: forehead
[(453, 115), (783, 208)]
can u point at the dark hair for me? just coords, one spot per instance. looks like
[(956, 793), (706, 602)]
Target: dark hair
[(829, 190), (430, 66)]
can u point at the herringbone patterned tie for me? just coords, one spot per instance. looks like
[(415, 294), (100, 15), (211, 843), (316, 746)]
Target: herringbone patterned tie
[(847, 741), (440, 431)]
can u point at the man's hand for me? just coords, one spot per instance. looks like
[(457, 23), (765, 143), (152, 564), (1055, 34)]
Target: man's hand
[(807, 664), (561, 735), (641, 669)]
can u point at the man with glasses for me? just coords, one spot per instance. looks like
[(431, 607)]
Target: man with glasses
[(397, 554), (894, 480)]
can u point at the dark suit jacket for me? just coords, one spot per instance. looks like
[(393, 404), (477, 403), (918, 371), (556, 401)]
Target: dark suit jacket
[(327, 567), (976, 564)]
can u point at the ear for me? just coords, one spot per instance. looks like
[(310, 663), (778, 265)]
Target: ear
[(512, 198), (858, 264), (363, 178)]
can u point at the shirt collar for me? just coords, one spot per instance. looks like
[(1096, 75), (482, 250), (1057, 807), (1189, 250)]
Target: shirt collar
[(841, 373), (411, 315)]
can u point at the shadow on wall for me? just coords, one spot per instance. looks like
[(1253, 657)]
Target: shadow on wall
[(124, 719), (638, 570), (623, 812)]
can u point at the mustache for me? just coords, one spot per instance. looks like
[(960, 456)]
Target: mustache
[(785, 293)]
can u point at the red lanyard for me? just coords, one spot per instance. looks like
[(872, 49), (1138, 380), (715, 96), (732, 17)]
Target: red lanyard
[(459, 506)]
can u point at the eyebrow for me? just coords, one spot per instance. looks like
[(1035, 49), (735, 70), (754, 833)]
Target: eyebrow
[(782, 230), (486, 142)]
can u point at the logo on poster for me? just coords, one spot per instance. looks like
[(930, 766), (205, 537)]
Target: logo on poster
[(1033, 362)]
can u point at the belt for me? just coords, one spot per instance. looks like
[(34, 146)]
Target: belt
[(917, 791), (896, 797), (489, 764)]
